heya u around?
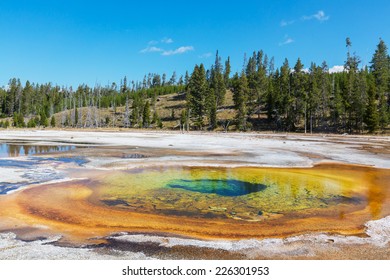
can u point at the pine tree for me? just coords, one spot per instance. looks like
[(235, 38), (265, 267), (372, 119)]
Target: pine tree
[(240, 97), (352, 98), (53, 121), (253, 83), (360, 99), (298, 103), (31, 123), (197, 93), (43, 119), (11, 98), (226, 74), (146, 115), (183, 119), (156, 120), (76, 115), (218, 81), (271, 66), (212, 109), (155, 117), (18, 120), (63, 114), (371, 116), (285, 99), (336, 102), (156, 81), (380, 67), (261, 82), (137, 110), (181, 81), (270, 99), (172, 80), (27, 93), (124, 85), (324, 95), (186, 79), (164, 79), (313, 96), (134, 116)]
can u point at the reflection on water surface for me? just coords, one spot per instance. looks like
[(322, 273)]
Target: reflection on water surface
[(16, 150)]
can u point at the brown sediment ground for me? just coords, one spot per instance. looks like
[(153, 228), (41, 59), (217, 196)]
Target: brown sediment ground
[(92, 211)]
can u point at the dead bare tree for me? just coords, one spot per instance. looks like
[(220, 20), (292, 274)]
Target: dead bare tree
[(63, 114), (126, 121), (96, 106), (73, 113), (88, 119), (80, 113)]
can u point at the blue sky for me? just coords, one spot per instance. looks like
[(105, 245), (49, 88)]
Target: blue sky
[(72, 42)]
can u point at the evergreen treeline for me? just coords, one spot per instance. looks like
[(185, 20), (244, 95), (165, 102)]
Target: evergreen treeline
[(356, 100), (289, 98), (35, 105)]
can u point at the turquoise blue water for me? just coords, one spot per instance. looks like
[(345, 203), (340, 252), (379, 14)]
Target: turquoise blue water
[(219, 187)]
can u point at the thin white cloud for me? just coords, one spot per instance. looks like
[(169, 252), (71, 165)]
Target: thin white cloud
[(336, 69), (284, 23), (206, 55), (166, 40), (287, 40), (156, 47), (151, 50), (153, 42), (179, 50), (320, 16)]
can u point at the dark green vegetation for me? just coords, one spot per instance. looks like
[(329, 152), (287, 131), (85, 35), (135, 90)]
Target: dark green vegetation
[(260, 97)]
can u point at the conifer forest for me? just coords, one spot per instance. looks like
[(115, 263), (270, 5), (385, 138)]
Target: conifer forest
[(260, 97)]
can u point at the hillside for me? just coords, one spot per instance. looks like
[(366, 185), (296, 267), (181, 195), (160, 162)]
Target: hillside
[(169, 108)]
